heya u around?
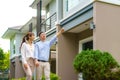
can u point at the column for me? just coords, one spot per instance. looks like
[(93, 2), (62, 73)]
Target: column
[(59, 10), (67, 48)]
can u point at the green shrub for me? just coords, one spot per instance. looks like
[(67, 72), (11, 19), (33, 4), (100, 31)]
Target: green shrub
[(96, 65), (20, 79), (52, 77)]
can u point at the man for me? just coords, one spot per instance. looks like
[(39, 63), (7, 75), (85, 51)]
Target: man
[(42, 52)]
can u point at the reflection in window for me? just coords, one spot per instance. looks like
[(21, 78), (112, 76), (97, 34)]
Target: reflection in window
[(87, 45), (48, 21), (71, 4)]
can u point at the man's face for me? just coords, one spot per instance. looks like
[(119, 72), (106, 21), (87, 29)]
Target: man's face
[(43, 36)]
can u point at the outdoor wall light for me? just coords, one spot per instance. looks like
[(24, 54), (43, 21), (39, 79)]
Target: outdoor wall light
[(92, 25)]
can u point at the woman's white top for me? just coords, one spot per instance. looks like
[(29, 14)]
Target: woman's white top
[(27, 51)]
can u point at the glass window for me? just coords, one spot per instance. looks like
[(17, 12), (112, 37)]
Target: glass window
[(87, 45), (30, 27), (14, 47), (71, 4)]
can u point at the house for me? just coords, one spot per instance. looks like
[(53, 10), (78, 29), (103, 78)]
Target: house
[(15, 34), (88, 24), (92, 24)]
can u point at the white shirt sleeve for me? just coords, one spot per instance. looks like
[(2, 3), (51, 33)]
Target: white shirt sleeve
[(23, 53)]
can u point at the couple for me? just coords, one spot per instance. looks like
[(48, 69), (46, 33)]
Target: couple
[(37, 55)]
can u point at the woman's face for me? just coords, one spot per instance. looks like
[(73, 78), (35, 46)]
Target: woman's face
[(32, 37)]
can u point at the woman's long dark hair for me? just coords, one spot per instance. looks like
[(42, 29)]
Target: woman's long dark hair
[(26, 38)]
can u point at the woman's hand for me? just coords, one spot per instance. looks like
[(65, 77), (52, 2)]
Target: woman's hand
[(26, 66), (36, 63)]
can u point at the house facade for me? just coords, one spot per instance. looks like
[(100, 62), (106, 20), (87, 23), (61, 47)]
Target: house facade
[(15, 35), (88, 24)]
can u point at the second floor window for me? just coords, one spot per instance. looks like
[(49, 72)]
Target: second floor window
[(30, 27), (71, 4), (14, 47)]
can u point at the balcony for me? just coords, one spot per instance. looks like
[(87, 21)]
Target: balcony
[(48, 23)]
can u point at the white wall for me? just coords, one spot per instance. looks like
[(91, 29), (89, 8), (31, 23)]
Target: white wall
[(79, 6), (18, 38)]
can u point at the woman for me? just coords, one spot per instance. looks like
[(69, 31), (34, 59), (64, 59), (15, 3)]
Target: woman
[(27, 52)]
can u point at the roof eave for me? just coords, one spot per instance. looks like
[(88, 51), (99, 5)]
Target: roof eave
[(9, 33), (107, 2), (23, 30), (33, 5)]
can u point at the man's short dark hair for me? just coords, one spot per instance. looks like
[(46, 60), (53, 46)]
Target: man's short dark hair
[(40, 33)]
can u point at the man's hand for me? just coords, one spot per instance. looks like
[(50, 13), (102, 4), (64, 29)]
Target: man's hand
[(60, 32), (25, 66)]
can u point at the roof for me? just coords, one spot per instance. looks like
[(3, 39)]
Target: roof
[(45, 2), (25, 27), (16, 27), (33, 5), (10, 32), (114, 2)]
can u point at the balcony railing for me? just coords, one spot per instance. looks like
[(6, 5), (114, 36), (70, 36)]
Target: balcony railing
[(48, 23)]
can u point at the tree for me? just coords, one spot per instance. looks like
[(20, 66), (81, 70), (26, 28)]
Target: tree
[(4, 60), (1, 54)]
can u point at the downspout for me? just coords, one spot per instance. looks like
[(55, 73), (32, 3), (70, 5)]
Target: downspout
[(39, 17), (40, 14)]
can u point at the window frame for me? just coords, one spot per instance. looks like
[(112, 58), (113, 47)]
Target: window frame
[(81, 42)]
